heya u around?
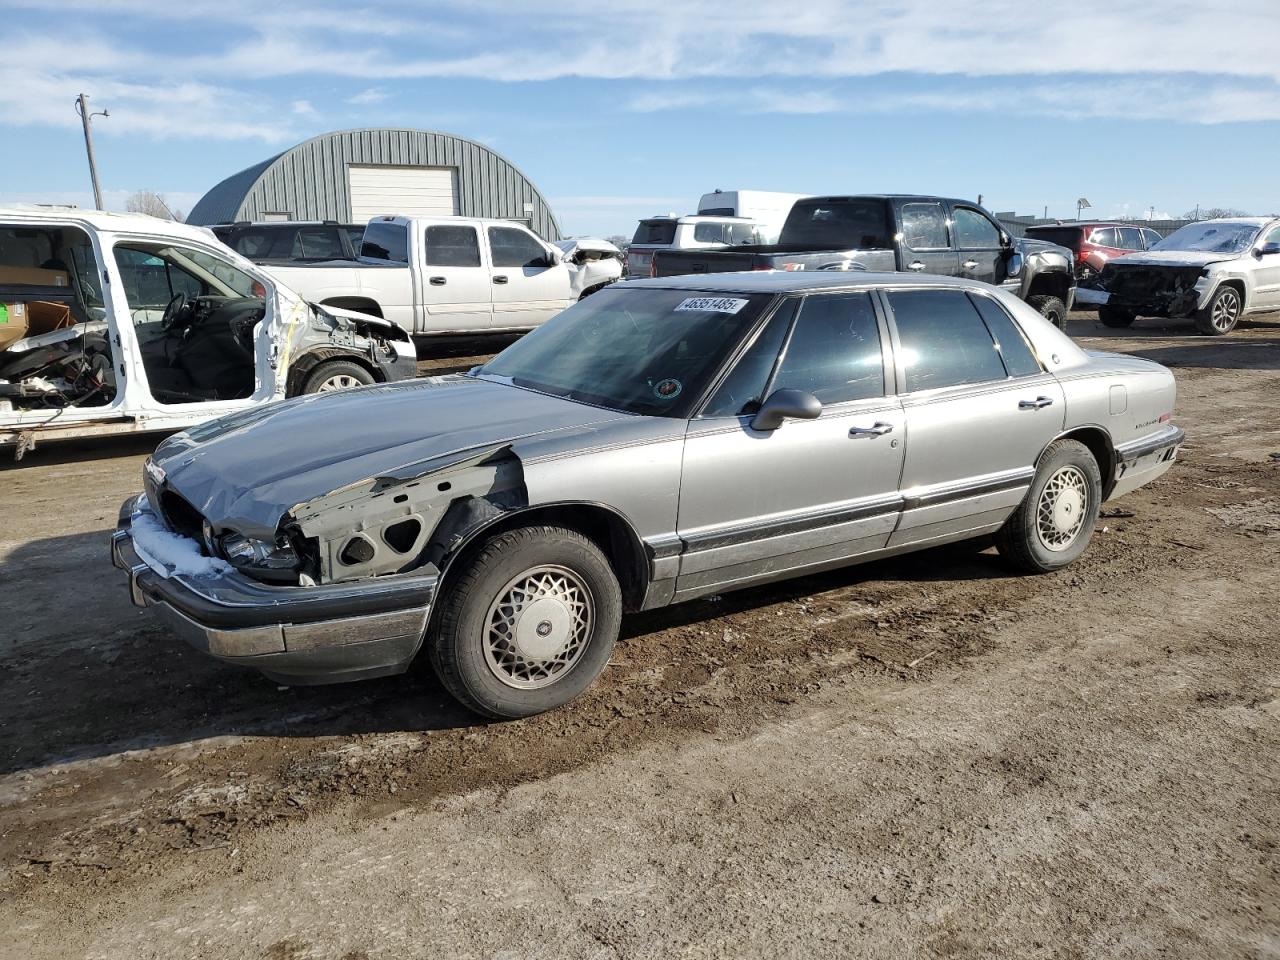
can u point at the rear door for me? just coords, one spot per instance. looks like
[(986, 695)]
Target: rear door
[(979, 410), (454, 280), (926, 238), (529, 287), (754, 505), (977, 240)]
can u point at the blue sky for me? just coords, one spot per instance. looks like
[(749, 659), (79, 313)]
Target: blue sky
[(620, 109)]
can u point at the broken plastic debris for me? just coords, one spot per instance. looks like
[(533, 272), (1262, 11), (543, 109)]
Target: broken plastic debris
[(169, 554)]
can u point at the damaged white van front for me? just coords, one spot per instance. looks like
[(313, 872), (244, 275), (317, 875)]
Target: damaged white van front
[(123, 323)]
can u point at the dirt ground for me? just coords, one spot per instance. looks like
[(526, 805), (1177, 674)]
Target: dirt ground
[(918, 758)]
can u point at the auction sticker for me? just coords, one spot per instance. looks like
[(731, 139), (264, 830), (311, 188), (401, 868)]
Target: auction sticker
[(712, 304)]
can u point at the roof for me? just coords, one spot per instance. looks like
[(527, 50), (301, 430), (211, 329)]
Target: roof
[(107, 222), (798, 281)]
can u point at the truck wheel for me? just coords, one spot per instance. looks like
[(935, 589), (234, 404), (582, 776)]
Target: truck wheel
[(1053, 524), (529, 624), (1052, 309), (1115, 317), (337, 375), (1221, 314)]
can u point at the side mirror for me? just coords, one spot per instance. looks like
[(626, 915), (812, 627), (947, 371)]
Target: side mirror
[(785, 403), (1266, 250), (1006, 240), (1014, 267)]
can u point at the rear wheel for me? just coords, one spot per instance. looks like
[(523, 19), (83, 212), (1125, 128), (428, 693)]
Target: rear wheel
[(337, 375), (1115, 316), (529, 624), (1052, 309), (1052, 526), (1221, 314)]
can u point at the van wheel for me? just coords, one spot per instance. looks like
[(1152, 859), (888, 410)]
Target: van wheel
[(337, 375), (1115, 317), (1054, 522), (1052, 309), (1221, 314), (529, 624)]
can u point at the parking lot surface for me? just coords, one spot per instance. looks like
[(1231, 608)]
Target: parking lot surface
[(924, 757)]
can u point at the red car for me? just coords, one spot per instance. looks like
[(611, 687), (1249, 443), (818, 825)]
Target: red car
[(1095, 242)]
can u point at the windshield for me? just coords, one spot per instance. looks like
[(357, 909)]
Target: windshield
[(661, 232), (640, 350), (1211, 236)]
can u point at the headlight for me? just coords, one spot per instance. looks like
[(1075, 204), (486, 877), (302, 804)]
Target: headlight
[(260, 554)]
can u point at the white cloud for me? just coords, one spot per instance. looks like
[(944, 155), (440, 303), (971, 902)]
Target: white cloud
[(367, 96), (303, 108)]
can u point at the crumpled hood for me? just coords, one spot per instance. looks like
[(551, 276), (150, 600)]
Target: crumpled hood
[(245, 471), (1172, 258)]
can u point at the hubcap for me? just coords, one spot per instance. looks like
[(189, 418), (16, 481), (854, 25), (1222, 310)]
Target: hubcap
[(1060, 514), (1226, 309), (538, 627), (340, 381)]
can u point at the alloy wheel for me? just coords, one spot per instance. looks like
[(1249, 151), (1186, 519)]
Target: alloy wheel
[(1226, 309)]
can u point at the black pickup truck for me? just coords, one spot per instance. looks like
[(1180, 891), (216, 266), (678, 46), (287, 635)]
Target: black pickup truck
[(889, 232)]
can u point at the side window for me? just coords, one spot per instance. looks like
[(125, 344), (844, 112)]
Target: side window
[(515, 248), (1151, 237), (974, 231), (1016, 353), (1272, 237), (452, 247), (1130, 238), (924, 226), (742, 390), (252, 243), (944, 340), (386, 241), (317, 243), (834, 351), (1104, 237), (150, 281)]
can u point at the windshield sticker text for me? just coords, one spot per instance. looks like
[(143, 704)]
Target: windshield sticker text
[(712, 304)]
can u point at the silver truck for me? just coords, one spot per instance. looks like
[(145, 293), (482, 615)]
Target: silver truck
[(660, 441), (1214, 271)]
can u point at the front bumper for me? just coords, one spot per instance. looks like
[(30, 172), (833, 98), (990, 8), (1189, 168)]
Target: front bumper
[(329, 633)]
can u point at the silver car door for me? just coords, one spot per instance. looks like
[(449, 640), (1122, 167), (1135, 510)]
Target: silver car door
[(1266, 276), (979, 407), (760, 505)]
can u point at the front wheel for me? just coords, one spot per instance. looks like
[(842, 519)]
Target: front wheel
[(529, 624), (1115, 317), (1053, 524), (1221, 314), (337, 375), (1052, 309)]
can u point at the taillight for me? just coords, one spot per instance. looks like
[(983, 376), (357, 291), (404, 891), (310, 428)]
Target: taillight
[(759, 266)]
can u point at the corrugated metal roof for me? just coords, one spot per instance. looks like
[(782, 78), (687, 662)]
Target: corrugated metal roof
[(309, 181)]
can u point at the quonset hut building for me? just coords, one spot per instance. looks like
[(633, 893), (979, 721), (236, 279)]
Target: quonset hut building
[(352, 175)]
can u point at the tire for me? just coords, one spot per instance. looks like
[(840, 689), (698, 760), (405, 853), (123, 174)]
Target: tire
[(337, 375), (1031, 543), (1115, 317), (1052, 309), (1222, 313), (476, 648)]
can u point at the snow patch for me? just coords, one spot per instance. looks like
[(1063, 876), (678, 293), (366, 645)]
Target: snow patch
[(167, 553)]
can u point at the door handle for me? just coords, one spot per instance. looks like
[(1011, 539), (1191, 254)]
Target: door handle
[(970, 264), (500, 279), (1035, 404), (438, 281), (916, 265), (879, 430)]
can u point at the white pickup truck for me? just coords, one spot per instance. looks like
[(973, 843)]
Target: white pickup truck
[(123, 323), (451, 275)]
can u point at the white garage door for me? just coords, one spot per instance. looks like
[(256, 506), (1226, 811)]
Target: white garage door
[(409, 191)]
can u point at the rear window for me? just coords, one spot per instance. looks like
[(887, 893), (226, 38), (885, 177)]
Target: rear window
[(655, 231), (386, 241), (1063, 236), (734, 234), (838, 224)]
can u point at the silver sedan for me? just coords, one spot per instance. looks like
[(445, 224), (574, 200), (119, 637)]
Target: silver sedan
[(659, 441)]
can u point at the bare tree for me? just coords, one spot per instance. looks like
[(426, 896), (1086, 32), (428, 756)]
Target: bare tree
[(1212, 213), (152, 204)]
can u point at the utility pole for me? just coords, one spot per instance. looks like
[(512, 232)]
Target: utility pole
[(82, 108)]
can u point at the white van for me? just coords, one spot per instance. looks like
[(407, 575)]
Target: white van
[(765, 207)]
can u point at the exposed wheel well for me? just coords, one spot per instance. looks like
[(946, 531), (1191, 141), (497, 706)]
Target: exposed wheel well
[(1099, 443), (1054, 284), (359, 304), (302, 366), (605, 528)]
